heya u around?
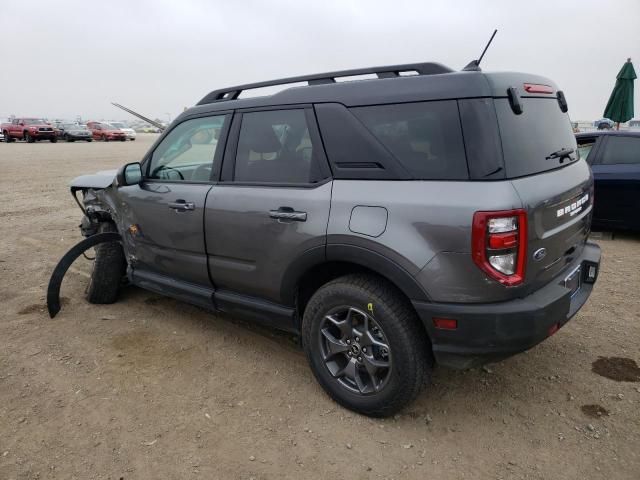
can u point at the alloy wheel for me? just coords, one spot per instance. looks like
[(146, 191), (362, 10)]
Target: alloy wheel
[(355, 350)]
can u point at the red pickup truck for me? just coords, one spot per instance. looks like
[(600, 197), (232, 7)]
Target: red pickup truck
[(28, 129)]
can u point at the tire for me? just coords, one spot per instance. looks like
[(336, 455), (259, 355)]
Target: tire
[(65, 137), (89, 140), (7, 138), (104, 138), (28, 138), (392, 323), (109, 269), (53, 139)]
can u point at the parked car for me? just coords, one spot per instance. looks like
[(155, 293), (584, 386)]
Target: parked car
[(28, 129), (71, 132), (614, 157), (387, 221), (129, 132), (1, 136), (105, 132)]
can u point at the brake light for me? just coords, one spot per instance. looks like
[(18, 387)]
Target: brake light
[(537, 88), (499, 244)]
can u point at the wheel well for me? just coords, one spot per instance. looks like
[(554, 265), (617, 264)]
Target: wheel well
[(321, 274)]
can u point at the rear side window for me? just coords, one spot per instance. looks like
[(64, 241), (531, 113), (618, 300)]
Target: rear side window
[(585, 145), (529, 138), (426, 137), (275, 147), (621, 150)]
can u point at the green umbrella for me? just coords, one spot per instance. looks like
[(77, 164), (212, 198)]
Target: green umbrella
[(620, 105)]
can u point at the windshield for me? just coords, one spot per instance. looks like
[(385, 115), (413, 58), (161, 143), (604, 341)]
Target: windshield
[(118, 125), (71, 126), (33, 121), (536, 140)]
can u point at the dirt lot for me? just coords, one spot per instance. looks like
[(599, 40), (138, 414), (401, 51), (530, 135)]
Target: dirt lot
[(150, 388)]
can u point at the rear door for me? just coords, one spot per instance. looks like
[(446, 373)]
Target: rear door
[(271, 206), (617, 182), (165, 213), (555, 189)]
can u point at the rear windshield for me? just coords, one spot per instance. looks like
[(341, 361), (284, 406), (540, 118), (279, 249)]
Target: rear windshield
[(425, 137), (529, 138)]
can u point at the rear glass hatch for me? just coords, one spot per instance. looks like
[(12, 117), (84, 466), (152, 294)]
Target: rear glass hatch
[(542, 161)]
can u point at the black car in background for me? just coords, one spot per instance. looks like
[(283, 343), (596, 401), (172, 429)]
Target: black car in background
[(73, 131), (614, 157)]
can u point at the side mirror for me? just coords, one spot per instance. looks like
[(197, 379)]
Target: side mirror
[(129, 174)]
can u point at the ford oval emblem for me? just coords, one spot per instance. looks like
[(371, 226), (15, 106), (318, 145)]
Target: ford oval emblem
[(539, 254)]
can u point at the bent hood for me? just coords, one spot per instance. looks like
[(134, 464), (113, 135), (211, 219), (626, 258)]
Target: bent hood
[(102, 179)]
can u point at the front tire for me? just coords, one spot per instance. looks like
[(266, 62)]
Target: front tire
[(28, 138), (109, 269), (365, 345), (105, 138), (53, 139)]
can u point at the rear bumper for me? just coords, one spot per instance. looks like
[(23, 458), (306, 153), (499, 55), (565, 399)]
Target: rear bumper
[(493, 331)]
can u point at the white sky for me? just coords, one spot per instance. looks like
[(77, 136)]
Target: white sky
[(73, 57)]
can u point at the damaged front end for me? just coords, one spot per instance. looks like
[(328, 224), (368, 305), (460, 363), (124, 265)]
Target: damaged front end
[(98, 204)]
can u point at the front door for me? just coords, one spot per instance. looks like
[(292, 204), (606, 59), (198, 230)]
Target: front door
[(164, 214), (271, 206)]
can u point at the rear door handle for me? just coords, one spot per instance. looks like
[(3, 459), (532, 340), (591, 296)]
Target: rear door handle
[(288, 213), (182, 206)]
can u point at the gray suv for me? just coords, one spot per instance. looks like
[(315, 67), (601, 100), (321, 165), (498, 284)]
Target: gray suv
[(418, 215)]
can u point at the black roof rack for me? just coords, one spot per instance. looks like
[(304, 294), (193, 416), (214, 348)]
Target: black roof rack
[(390, 71)]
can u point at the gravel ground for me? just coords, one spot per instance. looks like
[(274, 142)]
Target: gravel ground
[(151, 388)]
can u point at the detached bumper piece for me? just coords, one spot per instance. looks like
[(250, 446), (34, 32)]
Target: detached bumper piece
[(55, 282), (490, 332)]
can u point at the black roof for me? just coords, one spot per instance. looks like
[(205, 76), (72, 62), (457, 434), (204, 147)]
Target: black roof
[(429, 81), (597, 133)]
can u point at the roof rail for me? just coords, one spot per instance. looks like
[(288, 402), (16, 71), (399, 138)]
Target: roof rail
[(390, 71)]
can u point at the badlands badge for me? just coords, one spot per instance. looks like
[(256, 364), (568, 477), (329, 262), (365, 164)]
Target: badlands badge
[(574, 208)]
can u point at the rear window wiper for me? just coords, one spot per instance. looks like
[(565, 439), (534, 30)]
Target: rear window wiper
[(561, 154)]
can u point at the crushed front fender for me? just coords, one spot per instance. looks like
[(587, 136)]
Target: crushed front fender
[(55, 282)]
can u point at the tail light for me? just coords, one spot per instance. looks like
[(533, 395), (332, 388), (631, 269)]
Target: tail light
[(499, 244)]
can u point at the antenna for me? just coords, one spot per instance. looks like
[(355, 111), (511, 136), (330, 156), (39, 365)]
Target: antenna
[(141, 117), (474, 65)]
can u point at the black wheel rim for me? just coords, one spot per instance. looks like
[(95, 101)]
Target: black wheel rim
[(355, 350)]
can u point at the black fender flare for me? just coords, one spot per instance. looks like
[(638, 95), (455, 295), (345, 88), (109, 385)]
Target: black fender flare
[(362, 256), (55, 282)]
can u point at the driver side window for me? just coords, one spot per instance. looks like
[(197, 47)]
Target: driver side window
[(188, 151)]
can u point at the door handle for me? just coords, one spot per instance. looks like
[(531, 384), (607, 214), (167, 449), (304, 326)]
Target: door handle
[(182, 206), (288, 213)]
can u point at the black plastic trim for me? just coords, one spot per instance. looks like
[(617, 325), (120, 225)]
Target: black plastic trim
[(256, 309), (380, 264)]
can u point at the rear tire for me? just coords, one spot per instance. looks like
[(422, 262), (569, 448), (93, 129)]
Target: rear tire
[(365, 345), (53, 139), (7, 138), (109, 269)]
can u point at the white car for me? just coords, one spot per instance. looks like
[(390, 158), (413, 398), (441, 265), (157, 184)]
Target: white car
[(130, 132)]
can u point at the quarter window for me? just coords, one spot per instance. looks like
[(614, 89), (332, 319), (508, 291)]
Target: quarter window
[(621, 150), (425, 137), (188, 151), (275, 147)]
